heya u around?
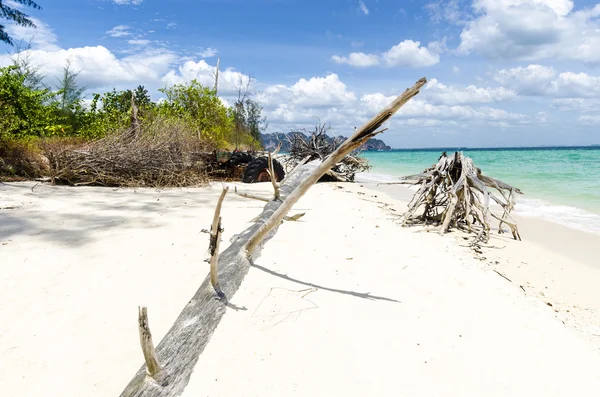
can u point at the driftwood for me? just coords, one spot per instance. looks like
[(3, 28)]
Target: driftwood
[(181, 347), (276, 193), (155, 371), (215, 240), (455, 193), (317, 146)]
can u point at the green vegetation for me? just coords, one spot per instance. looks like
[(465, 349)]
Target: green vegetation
[(36, 117)]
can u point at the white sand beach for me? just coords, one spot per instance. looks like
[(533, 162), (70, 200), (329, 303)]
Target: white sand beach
[(343, 302)]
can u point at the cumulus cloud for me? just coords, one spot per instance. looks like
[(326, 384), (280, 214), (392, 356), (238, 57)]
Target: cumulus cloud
[(580, 105), (438, 93), (538, 80), (101, 68), (330, 100), (531, 80), (410, 53), (407, 53), (204, 73), (358, 60), (315, 92), (532, 30)]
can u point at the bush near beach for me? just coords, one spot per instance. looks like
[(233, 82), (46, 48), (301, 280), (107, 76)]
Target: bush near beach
[(53, 132)]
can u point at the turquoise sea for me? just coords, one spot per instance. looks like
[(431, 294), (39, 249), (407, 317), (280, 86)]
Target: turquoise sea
[(561, 184)]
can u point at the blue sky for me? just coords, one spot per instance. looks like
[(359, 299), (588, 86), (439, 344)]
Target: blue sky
[(500, 72)]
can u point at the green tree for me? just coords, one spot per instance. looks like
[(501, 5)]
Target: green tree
[(200, 108), (247, 114), (69, 100), (25, 111), (12, 14), (256, 123)]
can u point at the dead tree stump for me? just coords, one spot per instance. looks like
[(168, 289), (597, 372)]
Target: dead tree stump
[(455, 193)]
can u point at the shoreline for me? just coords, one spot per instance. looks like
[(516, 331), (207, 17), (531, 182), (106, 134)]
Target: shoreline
[(569, 216), (339, 303), (554, 263)]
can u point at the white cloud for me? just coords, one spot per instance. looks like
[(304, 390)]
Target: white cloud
[(438, 93), (569, 84), (205, 75), (531, 80), (40, 37), (538, 80), (410, 53), (532, 30), (331, 101), (442, 10), (581, 105), (315, 92), (358, 59), (363, 7), (208, 52), (119, 31), (140, 42), (100, 68), (407, 53), (171, 25)]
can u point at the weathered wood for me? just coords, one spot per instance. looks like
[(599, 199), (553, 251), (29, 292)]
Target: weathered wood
[(251, 196), (454, 192), (215, 240), (181, 347), (153, 368), (217, 75), (276, 194)]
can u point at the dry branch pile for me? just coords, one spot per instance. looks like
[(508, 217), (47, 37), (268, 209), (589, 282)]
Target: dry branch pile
[(164, 154), (318, 145), (455, 193)]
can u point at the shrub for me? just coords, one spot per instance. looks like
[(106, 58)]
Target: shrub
[(21, 159), (165, 152)]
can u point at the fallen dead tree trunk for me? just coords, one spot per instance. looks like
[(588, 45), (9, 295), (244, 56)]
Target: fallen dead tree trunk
[(181, 347), (455, 193)]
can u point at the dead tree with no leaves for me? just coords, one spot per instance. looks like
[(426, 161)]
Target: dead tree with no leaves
[(455, 193), (180, 349), (318, 145)]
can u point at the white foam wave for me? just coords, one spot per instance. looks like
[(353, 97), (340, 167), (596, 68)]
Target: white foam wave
[(572, 217), (575, 218)]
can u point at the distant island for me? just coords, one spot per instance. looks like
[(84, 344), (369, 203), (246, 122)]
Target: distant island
[(271, 140)]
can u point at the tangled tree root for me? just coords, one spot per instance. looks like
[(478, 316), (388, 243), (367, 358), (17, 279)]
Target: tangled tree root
[(455, 193)]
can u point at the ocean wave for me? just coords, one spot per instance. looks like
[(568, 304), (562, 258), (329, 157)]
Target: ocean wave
[(573, 217)]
